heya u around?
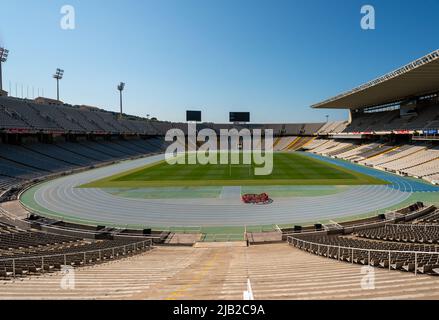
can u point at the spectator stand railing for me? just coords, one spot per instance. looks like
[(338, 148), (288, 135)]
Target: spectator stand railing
[(100, 255), (412, 227), (317, 247)]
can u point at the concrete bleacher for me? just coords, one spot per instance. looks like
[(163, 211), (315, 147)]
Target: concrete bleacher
[(60, 116), (14, 169), (9, 119), (29, 115), (326, 147), (416, 160), (333, 127), (397, 153), (55, 152), (341, 148), (404, 245), (32, 159), (29, 252), (20, 164), (283, 143), (425, 117), (315, 144), (413, 160), (434, 178), (188, 273), (425, 169)]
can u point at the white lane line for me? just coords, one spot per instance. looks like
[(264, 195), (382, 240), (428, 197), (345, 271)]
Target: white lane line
[(92, 204)]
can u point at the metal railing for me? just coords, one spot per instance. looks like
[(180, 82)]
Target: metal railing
[(224, 237), (317, 249), (366, 224), (12, 267), (412, 227)]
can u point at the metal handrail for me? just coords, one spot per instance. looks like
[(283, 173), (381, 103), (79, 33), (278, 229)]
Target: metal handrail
[(229, 237), (291, 241), (90, 232), (370, 225), (363, 249), (366, 224), (413, 226)]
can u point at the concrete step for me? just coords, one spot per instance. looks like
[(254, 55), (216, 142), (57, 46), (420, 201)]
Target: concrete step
[(276, 271)]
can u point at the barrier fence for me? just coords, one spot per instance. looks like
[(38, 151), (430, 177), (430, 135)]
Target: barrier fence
[(371, 257), (13, 267), (412, 227)]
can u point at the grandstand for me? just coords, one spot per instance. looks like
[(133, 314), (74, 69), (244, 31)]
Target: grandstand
[(25, 253), (131, 237), (404, 246)]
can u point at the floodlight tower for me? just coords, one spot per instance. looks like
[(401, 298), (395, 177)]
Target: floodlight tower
[(3, 58), (58, 76), (121, 87)]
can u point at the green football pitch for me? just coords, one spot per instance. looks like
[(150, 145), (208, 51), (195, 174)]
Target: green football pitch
[(288, 169)]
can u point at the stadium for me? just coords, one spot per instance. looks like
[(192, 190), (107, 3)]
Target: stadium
[(87, 191)]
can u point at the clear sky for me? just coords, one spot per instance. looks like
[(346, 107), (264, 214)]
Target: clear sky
[(271, 57)]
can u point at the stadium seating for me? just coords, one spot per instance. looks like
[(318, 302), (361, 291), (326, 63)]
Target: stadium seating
[(327, 147), (24, 253), (426, 117), (9, 119), (283, 143), (358, 151), (340, 148), (167, 271), (403, 233), (20, 164), (19, 114), (433, 178), (315, 144), (416, 160), (413, 160), (422, 170), (385, 254), (397, 153), (431, 218), (333, 127), (410, 245)]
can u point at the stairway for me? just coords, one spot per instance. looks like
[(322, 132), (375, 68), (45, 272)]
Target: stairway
[(276, 271)]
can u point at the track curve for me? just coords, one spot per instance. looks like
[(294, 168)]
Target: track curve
[(61, 196)]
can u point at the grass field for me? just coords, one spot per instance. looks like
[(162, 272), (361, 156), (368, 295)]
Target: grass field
[(289, 169)]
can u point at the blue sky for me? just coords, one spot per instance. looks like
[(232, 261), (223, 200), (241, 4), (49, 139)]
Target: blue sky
[(271, 57)]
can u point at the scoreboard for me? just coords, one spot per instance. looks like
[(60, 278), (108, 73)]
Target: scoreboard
[(239, 116), (193, 116)]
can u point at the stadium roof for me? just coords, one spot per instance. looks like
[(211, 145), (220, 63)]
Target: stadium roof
[(418, 78)]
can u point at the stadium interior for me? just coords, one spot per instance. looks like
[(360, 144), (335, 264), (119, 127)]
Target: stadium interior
[(392, 132)]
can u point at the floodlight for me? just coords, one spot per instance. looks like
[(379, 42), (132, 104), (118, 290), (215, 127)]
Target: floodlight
[(121, 87), (58, 76), (4, 53)]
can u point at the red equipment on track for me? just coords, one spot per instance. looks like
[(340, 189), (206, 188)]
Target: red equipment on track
[(256, 198)]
